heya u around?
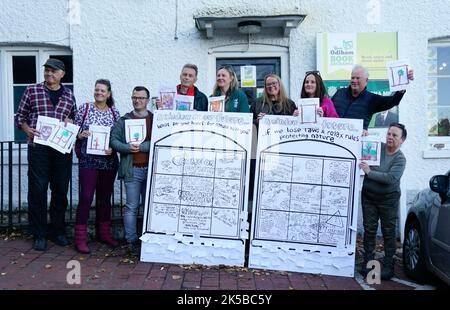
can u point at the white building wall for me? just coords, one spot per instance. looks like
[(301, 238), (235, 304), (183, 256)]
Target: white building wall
[(145, 42)]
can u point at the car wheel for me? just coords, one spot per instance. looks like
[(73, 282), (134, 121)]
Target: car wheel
[(413, 252)]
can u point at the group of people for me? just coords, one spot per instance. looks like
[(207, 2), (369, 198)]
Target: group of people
[(381, 188), (97, 173)]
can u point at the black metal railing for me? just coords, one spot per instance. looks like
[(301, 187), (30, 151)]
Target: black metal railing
[(14, 185)]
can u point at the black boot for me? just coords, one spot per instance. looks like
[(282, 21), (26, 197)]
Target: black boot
[(387, 271), (364, 270)]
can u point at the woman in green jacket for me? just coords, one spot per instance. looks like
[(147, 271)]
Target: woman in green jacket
[(227, 85)]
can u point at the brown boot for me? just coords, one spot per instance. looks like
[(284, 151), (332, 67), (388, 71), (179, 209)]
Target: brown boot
[(105, 234), (80, 237)]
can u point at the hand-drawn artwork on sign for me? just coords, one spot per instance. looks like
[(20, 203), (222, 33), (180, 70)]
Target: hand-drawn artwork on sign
[(46, 130), (370, 152), (184, 103), (56, 134), (98, 140), (167, 99), (189, 178), (165, 215), (289, 196), (308, 109), (45, 126), (304, 210), (135, 130), (63, 137), (398, 74), (216, 104), (197, 184)]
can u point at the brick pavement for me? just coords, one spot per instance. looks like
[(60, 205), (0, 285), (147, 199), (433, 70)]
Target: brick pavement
[(21, 268)]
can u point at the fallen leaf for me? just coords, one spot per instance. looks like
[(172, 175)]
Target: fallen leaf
[(48, 266), (3, 273), (21, 254), (174, 277), (162, 268)]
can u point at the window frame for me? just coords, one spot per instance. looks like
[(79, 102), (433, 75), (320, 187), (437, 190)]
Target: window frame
[(437, 146), (41, 53)]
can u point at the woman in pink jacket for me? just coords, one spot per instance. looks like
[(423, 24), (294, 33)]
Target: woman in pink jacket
[(313, 87)]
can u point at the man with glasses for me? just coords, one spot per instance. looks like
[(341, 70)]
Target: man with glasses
[(356, 102), (133, 167)]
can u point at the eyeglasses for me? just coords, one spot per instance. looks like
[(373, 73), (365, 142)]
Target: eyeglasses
[(138, 98), (273, 84), (312, 72)]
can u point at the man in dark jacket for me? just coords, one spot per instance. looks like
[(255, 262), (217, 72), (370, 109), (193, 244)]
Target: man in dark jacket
[(188, 77), (356, 102)]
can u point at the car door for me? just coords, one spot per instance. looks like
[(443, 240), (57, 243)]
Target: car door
[(440, 237)]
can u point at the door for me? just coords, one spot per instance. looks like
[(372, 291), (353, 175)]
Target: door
[(264, 66)]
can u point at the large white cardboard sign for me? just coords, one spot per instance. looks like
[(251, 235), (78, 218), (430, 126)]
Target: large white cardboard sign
[(306, 195), (197, 188)]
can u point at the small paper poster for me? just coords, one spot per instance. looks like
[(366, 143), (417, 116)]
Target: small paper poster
[(259, 92), (167, 96), (308, 109), (56, 134), (216, 104), (248, 76), (398, 74), (135, 130), (370, 151), (98, 140), (184, 103), (63, 137), (45, 125)]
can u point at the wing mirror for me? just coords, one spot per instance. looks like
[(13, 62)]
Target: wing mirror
[(440, 185)]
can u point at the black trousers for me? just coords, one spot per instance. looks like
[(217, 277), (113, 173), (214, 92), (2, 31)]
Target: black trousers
[(47, 166)]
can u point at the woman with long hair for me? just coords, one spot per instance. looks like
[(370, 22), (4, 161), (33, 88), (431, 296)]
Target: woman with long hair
[(96, 172), (313, 87), (273, 101), (227, 85)]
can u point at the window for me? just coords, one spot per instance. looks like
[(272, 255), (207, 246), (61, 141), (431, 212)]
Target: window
[(23, 67), (438, 90)]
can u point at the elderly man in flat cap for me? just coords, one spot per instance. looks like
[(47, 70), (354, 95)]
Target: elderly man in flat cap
[(46, 165)]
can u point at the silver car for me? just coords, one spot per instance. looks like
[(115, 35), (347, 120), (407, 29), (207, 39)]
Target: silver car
[(426, 247)]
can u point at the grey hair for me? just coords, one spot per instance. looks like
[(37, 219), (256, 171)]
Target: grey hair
[(363, 69)]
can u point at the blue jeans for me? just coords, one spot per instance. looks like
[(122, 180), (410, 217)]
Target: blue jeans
[(135, 191)]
